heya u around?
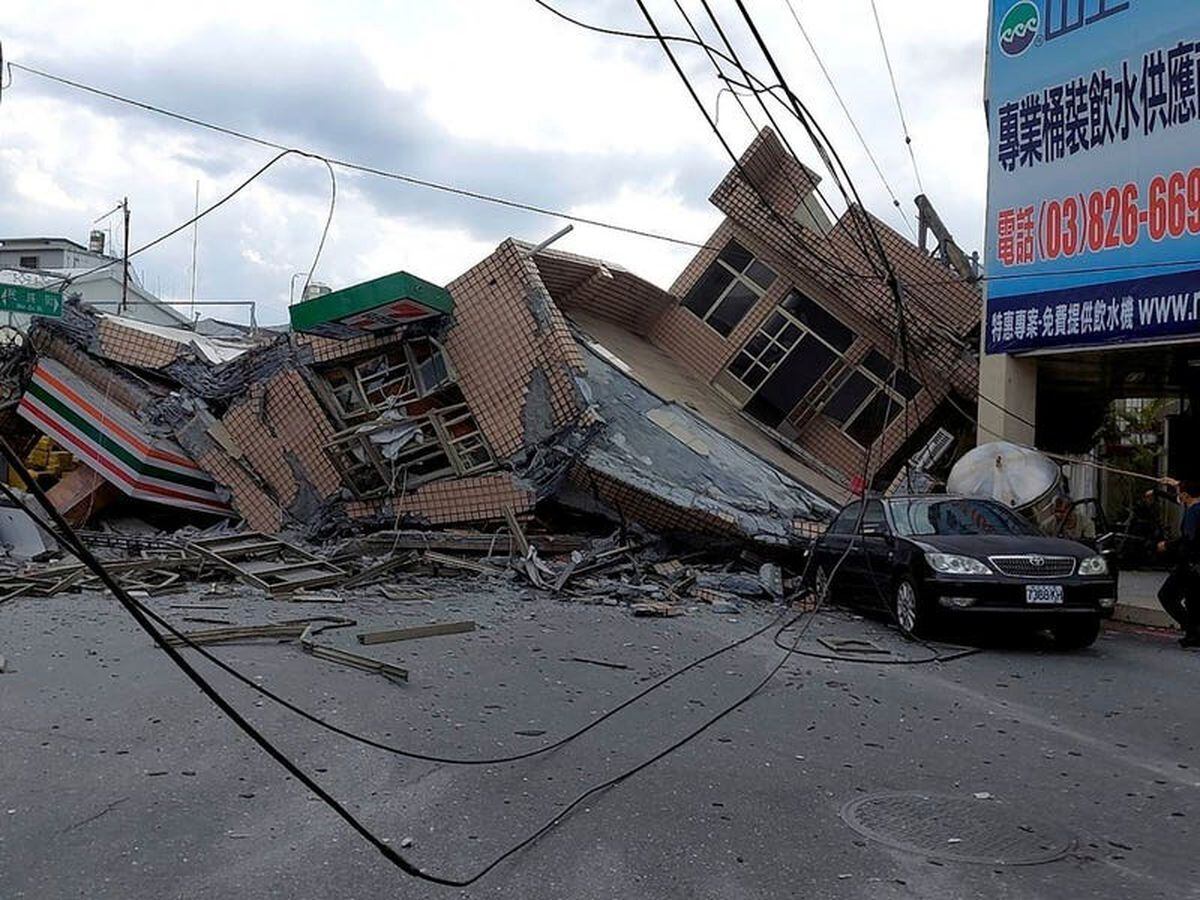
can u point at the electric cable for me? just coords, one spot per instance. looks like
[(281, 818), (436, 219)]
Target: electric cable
[(66, 281), (71, 541), (901, 331), (292, 707), (855, 209), (133, 608), (787, 224), (887, 58), (804, 195), (361, 167), (325, 230), (540, 210), (771, 89), (849, 116)]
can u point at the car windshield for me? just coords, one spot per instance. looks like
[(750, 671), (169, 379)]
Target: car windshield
[(933, 515)]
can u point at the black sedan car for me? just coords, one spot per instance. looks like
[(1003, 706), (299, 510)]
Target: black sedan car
[(935, 558)]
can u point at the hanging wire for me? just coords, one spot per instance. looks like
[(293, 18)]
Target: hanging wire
[(887, 58)]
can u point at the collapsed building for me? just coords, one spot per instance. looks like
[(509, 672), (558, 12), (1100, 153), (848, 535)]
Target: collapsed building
[(736, 405)]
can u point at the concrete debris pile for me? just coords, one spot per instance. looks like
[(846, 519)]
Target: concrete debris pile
[(401, 405), (216, 579)]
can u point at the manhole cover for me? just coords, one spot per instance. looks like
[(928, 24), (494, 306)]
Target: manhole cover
[(956, 829)]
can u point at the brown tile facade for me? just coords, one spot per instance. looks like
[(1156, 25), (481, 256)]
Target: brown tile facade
[(834, 272), (506, 328), (135, 347), (476, 499)]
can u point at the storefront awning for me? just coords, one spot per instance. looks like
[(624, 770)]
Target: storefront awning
[(113, 443), (373, 307)]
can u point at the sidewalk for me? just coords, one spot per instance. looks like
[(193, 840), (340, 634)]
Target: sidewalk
[(1137, 599)]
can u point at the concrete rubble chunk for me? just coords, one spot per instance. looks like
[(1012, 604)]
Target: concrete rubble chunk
[(535, 378)]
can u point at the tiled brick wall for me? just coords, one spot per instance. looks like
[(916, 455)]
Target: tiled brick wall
[(647, 509), (497, 343), (835, 272), (474, 499), (329, 349), (261, 512), (134, 347), (278, 419), (602, 289), (119, 388)]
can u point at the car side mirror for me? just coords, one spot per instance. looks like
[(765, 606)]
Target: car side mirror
[(875, 529)]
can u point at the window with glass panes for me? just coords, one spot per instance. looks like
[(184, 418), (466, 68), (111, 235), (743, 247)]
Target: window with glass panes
[(729, 288), (796, 316), (870, 397)]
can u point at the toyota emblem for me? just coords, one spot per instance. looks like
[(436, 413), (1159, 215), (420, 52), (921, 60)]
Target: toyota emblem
[(1038, 561)]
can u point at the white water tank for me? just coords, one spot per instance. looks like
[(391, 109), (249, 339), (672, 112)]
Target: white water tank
[(316, 289), (1019, 477)]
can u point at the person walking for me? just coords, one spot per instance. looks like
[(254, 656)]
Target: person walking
[(1180, 593)]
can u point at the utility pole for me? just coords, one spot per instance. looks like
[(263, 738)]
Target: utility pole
[(125, 267), (195, 239)]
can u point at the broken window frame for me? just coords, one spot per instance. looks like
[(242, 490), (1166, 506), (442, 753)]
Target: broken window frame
[(353, 453), (794, 321), (361, 394), (897, 386), (727, 266)]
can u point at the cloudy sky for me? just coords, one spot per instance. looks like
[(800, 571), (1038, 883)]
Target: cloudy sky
[(497, 96)]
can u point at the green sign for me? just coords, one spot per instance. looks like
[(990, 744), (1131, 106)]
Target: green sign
[(374, 307), (34, 301)]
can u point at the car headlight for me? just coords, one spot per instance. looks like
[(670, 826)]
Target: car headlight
[(949, 564), (1094, 565)]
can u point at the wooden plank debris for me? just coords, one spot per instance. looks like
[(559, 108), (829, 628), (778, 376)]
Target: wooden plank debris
[(400, 594), (517, 532), (346, 658), (415, 631), (267, 563), (473, 542), (454, 562), (381, 570), (598, 662), (655, 609), (525, 559), (10, 591), (294, 628)]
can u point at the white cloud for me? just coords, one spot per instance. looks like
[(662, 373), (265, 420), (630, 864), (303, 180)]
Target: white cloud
[(502, 96)]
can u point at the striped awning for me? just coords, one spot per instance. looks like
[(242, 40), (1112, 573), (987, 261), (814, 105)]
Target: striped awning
[(101, 434)]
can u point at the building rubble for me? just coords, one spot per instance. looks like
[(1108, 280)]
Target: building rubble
[(622, 426)]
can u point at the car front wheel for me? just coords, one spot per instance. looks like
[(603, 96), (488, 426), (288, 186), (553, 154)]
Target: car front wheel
[(909, 610), (1076, 634)]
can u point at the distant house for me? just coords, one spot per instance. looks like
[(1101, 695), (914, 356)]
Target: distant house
[(45, 262)]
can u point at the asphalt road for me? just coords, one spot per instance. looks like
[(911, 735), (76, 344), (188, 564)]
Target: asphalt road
[(117, 779)]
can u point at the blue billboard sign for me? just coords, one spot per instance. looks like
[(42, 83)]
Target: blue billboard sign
[(1093, 229)]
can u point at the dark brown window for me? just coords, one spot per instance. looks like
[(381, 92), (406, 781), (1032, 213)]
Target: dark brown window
[(870, 397), (729, 288), (789, 354)]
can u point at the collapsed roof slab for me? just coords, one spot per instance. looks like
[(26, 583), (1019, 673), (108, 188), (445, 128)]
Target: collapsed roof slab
[(659, 463)]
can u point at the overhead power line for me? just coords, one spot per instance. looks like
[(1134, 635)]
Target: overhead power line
[(361, 167), (849, 116), (887, 58)]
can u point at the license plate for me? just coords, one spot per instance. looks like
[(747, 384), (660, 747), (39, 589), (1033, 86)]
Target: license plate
[(1044, 594)]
